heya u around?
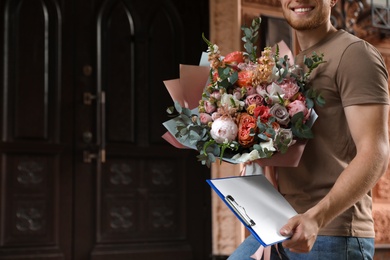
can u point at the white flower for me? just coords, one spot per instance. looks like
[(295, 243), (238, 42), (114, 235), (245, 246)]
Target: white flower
[(269, 145), (230, 101), (276, 73), (273, 90), (213, 49), (224, 130), (247, 157)]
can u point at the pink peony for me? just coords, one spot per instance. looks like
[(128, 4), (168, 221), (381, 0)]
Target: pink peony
[(290, 88), (224, 130)]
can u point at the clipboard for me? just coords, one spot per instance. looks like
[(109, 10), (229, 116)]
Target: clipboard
[(257, 204)]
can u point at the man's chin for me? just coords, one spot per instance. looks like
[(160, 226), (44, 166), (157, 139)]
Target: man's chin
[(299, 26)]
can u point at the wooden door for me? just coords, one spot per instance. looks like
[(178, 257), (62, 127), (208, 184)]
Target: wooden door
[(85, 173)]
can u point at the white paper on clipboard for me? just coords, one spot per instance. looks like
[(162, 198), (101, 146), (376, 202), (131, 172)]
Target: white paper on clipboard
[(258, 205)]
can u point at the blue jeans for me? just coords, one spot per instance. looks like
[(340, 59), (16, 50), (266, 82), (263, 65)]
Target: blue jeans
[(325, 248)]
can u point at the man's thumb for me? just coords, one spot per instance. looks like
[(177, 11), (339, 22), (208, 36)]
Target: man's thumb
[(286, 231)]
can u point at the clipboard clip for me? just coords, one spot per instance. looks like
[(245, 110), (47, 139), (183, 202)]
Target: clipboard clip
[(240, 210)]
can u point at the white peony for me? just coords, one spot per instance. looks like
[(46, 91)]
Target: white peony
[(224, 130)]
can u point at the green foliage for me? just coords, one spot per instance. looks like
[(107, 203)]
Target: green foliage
[(298, 128), (250, 38), (311, 95)]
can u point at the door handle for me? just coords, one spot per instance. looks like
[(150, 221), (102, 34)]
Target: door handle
[(103, 127), (88, 156)]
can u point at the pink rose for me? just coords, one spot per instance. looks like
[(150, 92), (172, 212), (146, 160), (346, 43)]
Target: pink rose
[(250, 90), (254, 99), (216, 95), (290, 88), (209, 107), (296, 107), (224, 130), (205, 118)]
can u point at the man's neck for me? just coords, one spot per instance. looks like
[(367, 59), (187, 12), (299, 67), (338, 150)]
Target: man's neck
[(308, 38)]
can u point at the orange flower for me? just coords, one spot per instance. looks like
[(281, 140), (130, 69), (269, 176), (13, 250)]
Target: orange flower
[(246, 123), (262, 112), (244, 78), (234, 58)]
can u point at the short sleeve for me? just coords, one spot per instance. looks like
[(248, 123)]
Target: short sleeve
[(362, 76)]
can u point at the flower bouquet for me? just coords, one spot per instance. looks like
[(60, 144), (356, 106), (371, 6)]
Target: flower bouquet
[(248, 108)]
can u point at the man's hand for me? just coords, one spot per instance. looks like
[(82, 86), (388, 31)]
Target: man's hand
[(369, 129), (303, 231)]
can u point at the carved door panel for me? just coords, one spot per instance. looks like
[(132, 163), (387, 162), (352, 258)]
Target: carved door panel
[(84, 171), (36, 144)]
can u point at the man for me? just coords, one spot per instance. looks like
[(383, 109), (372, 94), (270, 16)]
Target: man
[(330, 189)]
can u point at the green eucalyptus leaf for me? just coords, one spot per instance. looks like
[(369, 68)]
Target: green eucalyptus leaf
[(226, 71), (263, 137), (247, 32), (178, 107), (271, 132), (309, 103), (233, 78), (298, 117), (224, 83)]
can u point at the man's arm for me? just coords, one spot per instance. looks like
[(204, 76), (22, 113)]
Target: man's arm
[(369, 128)]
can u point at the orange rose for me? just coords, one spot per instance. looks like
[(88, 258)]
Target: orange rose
[(234, 58), (245, 78), (246, 123)]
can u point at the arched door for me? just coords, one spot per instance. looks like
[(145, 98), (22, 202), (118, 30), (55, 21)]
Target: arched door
[(85, 173)]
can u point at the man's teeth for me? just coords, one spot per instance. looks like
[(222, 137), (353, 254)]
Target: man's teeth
[(301, 10)]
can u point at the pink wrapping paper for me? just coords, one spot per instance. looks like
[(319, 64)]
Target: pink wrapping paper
[(187, 90)]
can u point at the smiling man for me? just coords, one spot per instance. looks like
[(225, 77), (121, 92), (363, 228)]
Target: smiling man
[(331, 187)]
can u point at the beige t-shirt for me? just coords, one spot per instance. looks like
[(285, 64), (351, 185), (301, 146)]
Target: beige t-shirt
[(354, 74)]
